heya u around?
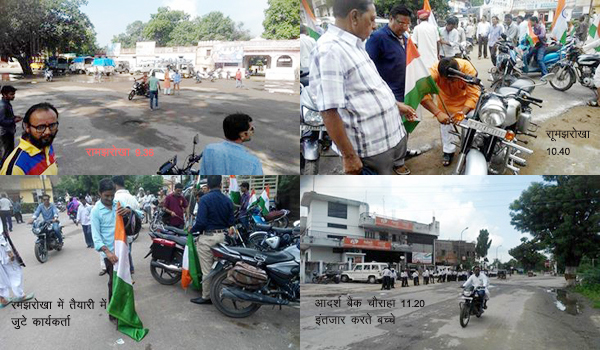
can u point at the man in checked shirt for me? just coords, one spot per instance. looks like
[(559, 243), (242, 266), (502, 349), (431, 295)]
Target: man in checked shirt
[(359, 110)]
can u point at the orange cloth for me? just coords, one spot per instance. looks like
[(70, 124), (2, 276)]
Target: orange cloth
[(238, 75), (167, 80), (456, 94)]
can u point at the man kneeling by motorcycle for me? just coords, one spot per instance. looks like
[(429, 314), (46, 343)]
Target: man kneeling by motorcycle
[(455, 95), (477, 279)]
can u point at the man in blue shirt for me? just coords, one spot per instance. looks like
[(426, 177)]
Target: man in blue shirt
[(230, 157), (215, 216), (49, 214), (387, 49)]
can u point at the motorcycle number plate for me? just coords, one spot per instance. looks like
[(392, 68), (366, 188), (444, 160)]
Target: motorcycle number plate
[(473, 124), (311, 128)]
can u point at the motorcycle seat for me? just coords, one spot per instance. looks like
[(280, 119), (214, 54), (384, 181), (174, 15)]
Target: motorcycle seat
[(175, 229), (553, 48), (272, 215), (179, 240), (523, 84), (282, 231), (263, 227), (270, 257)]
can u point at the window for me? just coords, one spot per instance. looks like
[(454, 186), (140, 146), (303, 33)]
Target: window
[(208, 52), (369, 234), (384, 236), (367, 267), (284, 61), (335, 237), (443, 252), (337, 226), (358, 268), (394, 238), (337, 210)]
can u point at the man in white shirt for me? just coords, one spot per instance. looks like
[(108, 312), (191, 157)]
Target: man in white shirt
[(83, 217), (479, 279), (483, 30), (462, 34), (393, 277), (523, 26), (404, 276), (470, 32), (385, 281), (306, 45), (5, 212), (415, 277), (426, 37), (426, 276), (450, 38)]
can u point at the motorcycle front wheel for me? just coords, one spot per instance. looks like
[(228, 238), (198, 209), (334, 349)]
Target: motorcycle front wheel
[(131, 95), (255, 242), (311, 167), (41, 254), (229, 307), (465, 315), (564, 80)]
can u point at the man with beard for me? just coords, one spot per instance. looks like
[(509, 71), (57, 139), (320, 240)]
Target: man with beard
[(35, 155)]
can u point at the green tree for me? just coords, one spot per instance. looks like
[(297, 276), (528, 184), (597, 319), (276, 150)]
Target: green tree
[(440, 8), (483, 244), (30, 27), (282, 20), (216, 26), (161, 25), (133, 33), (528, 255), (563, 215)]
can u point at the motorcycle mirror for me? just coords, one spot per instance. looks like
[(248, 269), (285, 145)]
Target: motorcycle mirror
[(196, 139)]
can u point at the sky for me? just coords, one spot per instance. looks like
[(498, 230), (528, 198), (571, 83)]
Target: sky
[(111, 17), (476, 202)]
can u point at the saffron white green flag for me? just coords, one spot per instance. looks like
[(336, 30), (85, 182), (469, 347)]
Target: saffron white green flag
[(234, 190), (122, 303), (253, 199), (559, 25), (594, 31), (431, 19), (263, 201), (417, 84), (311, 21), (191, 272)]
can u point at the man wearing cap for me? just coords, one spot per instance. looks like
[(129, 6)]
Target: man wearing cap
[(426, 37)]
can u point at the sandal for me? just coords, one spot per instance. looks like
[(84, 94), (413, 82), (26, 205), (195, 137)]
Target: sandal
[(447, 159), (411, 153), (402, 170), (8, 301), (592, 103)]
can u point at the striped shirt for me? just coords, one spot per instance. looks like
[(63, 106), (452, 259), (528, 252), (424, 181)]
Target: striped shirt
[(27, 159), (343, 76)]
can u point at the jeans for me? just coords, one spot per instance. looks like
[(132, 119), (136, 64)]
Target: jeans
[(238, 83), (539, 54), (493, 54), (483, 41), (56, 229), (6, 215), (87, 235), (153, 97)]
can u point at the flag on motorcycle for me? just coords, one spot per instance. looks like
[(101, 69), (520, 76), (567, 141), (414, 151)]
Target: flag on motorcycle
[(191, 272), (263, 201), (234, 190), (122, 303), (417, 84), (253, 199), (431, 19), (531, 37), (594, 32), (311, 21), (559, 24)]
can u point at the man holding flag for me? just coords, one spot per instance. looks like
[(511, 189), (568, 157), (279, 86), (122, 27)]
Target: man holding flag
[(214, 219)]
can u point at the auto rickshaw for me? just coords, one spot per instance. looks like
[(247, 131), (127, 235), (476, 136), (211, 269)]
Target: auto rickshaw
[(502, 274)]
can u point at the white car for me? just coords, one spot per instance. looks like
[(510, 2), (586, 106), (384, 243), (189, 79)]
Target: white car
[(365, 272), (159, 73)]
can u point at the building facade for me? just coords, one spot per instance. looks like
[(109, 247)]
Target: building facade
[(28, 188), (448, 252)]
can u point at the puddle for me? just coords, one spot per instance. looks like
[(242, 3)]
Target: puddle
[(564, 302)]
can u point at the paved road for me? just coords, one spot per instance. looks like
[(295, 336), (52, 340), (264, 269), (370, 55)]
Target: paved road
[(522, 314), (554, 115), (99, 115), (173, 321)]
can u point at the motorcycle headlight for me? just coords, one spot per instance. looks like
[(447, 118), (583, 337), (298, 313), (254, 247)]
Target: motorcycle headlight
[(36, 230), (493, 112), (311, 117)]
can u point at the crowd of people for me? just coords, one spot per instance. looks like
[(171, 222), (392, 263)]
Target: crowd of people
[(441, 275)]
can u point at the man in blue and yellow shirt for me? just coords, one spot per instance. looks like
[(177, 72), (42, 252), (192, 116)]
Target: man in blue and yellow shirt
[(35, 154)]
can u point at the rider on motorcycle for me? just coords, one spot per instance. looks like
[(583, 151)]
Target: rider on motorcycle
[(144, 80), (479, 279), (540, 47), (49, 214)]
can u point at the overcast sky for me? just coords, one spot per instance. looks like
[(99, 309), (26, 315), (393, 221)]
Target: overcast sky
[(477, 202), (111, 17)]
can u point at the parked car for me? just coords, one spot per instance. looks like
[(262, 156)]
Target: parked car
[(58, 64), (143, 68), (106, 66), (159, 73), (364, 272), (122, 67), (80, 64)]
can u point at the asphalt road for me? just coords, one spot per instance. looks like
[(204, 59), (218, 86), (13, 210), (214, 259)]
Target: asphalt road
[(556, 109), (174, 322), (523, 313), (99, 115)]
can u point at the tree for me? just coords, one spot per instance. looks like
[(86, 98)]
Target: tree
[(440, 8), (483, 244), (30, 27), (133, 33), (161, 25), (80, 185), (215, 26), (282, 20), (528, 255), (563, 215)]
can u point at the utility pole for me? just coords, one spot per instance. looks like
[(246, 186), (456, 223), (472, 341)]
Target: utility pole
[(459, 244)]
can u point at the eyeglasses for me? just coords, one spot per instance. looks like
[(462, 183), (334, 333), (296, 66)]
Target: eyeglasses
[(399, 22), (41, 128), (251, 129)]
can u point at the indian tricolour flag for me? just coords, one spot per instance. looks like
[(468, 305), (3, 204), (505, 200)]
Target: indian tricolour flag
[(253, 199), (234, 190), (311, 21), (263, 201), (122, 303), (559, 25), (418, 82), (431, 19), (531, 37), (191, 272), (594, 31)]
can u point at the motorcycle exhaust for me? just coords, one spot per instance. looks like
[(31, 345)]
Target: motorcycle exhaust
[(238, 294), (166, 267)]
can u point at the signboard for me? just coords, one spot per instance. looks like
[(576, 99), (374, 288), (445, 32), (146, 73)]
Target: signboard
[(365, 243), (534, 5), (397, 224), (228, 54), (145, 48), (423, 258)]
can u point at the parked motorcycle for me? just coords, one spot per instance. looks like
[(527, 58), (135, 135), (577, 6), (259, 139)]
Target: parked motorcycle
[(48, 75), (244, 279), (171, 168), (46, 240), (314, 140), (554, 53), (575, 66), (275, 218), (138, 89), (269, 238), (471, 304), (327, 277), (465, 50), (505, 72), (168, 245), (488, 138)]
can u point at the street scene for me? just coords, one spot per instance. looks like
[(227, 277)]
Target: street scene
[(446, 263), (71, 274), (134, 90), (565, 100)]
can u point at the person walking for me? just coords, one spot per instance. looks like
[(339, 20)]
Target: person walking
[(177, 82), (83, 217), (154, 86), (496, 31), (167, 82), (483, 30), (17, 211), (238, 79)]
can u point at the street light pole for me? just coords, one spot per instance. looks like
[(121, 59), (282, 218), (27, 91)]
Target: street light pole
[(459, 244)]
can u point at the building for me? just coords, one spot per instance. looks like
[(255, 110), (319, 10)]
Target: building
[(447, 252), (322, 9), (343, 232), (29, 188)]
